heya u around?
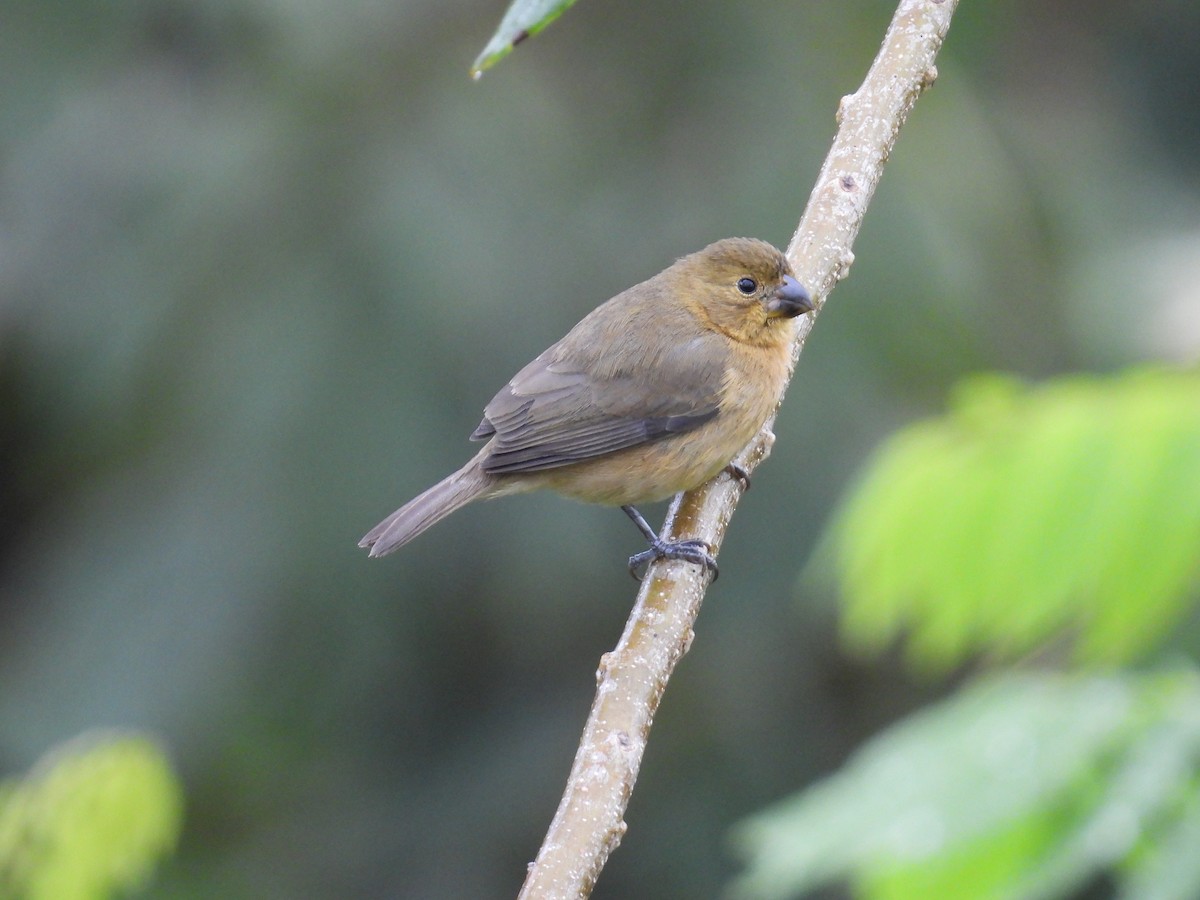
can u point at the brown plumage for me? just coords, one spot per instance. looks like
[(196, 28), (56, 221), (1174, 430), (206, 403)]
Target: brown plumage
[(652, 393)]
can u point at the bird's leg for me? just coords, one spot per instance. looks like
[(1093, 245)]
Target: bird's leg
[(741, 475), (694, 551)]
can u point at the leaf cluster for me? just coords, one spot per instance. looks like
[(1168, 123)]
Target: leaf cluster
[(92, 819), (1025, 518)]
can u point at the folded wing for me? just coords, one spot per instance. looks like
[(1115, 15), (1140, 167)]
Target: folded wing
[(553, 413)]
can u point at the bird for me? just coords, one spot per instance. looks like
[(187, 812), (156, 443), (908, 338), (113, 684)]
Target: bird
[(652, 393)]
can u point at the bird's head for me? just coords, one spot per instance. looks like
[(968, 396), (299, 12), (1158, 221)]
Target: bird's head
[(744, 288)]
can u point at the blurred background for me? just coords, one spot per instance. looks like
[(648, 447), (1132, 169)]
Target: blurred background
[(263, 263)]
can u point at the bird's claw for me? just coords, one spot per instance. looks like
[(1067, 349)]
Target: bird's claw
[(739, 474), (692, 550)]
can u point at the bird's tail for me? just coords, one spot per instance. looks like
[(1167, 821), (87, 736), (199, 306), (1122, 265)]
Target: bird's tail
[(427, 509)]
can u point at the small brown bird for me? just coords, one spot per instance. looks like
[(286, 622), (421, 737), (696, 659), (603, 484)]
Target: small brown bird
[(652, 393)]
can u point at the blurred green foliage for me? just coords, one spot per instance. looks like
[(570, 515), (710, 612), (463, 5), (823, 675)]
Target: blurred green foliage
[(262, 264), (90, 822), (1020, 786), (1025, 518), (1025, 513)]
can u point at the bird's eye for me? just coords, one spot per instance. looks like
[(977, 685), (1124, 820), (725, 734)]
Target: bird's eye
[(747, 286)]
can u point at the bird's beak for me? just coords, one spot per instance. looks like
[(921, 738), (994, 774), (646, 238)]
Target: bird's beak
[(789, 300)]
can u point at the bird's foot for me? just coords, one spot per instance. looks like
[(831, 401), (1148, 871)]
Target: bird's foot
[(693, 551), (739, 474)]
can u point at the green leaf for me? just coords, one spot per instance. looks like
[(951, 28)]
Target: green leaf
[(1169, 869), (1029, 513), (990, 866), (91, 819), (524, 19), (1020, 786)]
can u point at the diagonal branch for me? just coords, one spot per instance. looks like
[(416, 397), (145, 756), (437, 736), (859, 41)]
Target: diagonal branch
[(631, 679)]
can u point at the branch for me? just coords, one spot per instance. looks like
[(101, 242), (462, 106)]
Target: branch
[(631, 679)]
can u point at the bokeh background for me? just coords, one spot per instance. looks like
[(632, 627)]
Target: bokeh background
[(261, 266)]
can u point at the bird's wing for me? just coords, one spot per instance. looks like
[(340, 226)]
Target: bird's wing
[(553, 414)]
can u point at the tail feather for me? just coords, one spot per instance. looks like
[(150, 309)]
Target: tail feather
[(427, 509)]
